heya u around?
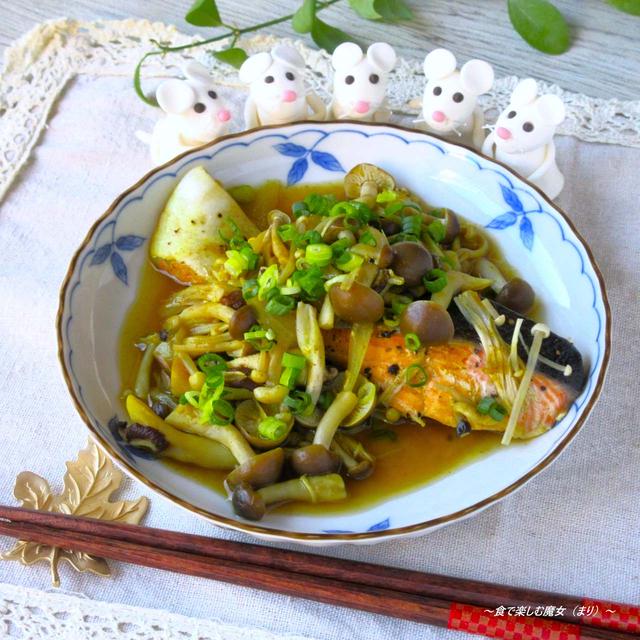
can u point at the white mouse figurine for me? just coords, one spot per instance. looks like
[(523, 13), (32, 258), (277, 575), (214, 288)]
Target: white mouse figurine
[(195, 114), (360, 81), (449, 103), (277, 92), (523, 136)]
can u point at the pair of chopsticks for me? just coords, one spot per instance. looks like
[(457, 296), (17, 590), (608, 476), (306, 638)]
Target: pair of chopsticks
[(456, 603)]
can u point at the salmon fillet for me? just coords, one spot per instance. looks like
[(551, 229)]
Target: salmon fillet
[(456, 382)]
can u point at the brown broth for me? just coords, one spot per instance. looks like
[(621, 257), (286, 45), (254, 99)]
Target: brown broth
[(416, 457)]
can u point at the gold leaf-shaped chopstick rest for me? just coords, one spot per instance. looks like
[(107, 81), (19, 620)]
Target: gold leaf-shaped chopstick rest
[(89, 482)]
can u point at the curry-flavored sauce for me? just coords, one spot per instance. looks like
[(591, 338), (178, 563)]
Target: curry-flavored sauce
[(415, 456)]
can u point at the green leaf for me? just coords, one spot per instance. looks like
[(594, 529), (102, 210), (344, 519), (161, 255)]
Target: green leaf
[(302, 21), (628, 6), (364, 8), (204, 13), (393, 10), (540, 24), (234, 56), (328, 37)]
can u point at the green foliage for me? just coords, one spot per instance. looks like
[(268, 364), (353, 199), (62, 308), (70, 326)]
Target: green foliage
[(393, 10), (365, 9), (540, 24), (328, 37), (302, 21), (234, 56), (628, 6), (204, 13)]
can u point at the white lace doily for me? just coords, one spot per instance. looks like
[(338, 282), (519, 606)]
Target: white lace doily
[(28, 614), (39, 65)]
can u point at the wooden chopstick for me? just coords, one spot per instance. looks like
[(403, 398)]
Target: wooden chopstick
[(405, 594)]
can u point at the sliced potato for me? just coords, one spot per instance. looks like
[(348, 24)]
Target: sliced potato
[(188, 237)]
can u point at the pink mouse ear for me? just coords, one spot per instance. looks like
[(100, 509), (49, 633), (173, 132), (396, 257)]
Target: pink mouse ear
[(175, 96), (476, 76), (252, 68), (438, 64)]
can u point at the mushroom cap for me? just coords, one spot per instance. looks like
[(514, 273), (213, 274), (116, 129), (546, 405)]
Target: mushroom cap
[(357, 304), (366, 173), (430, 321), (517, 295), (261, 470), (248, 503), (145, 437), (411, 261), (314, 460)]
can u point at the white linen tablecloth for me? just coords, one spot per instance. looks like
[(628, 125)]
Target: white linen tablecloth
[(573, 529)]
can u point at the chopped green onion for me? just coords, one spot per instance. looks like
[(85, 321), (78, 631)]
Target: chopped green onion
[(437, 213), (190, 397), (299, 209), (340, 246), (250, 289), (280, 305), (267, 281), (349, 261), (391, 210), (484, 406), (289, 377), (399, 304), (293, 360), (318, 254), (218, 411), (325, 399), (436, 230), (290, 289), (386, 196), (250, 256), (287, 232), (299, 402), (319, 205), (259, 338), (412, 225), (412, 342), (311, 281), (211, 363), (368, 239), (272, 428), (416, 376), (236, 263), (309, 237), (497, 412), (435, 280)]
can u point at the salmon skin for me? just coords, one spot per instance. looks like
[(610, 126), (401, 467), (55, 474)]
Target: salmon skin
[(457, 379)]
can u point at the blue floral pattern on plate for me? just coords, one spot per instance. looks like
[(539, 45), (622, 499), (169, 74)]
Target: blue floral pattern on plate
[(112, 251), (300, 166)]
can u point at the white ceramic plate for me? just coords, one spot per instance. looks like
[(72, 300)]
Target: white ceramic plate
[(533, 234)]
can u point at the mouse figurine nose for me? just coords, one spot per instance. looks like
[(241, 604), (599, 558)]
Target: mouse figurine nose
[(224, 115), (289, 96), (438, 116), (362, 106), (503, 133)]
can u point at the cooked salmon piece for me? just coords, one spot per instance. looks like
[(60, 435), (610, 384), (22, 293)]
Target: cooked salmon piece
[(457, 380)]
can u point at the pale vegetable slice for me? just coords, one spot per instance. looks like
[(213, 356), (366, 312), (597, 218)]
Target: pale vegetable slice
[(188, 238)]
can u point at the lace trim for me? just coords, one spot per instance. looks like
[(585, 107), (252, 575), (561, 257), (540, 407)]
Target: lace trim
[(39, 65), (29, 613)]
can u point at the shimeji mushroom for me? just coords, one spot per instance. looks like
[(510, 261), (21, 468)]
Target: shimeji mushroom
[(184, 447), (355, 458), (251, 504), (258, 470), (458, 281), (516, 294), (365, 181)]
